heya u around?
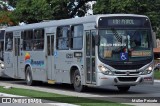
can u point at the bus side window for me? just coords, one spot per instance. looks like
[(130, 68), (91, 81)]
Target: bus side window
[(93, 42), (77, 37), (27, 40), (63, 38), (38, 39), (9, 41)]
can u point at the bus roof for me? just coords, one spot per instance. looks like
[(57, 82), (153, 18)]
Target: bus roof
[(63, 22)]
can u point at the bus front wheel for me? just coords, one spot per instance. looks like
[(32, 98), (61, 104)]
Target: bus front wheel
[(77, 82), (123, 88), (29, 79)]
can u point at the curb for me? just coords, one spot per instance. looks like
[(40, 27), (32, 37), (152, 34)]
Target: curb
[(9, 95), (157, 81)]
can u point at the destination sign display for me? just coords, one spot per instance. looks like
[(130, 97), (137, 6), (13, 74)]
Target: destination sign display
[(133, 22), (140, 53), (123, 22)]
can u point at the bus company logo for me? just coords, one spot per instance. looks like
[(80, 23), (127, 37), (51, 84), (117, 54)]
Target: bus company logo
[(27, 56), (32, 62), (37, 63)]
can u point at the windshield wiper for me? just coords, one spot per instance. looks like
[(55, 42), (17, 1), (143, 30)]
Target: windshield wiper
[(118, 37)]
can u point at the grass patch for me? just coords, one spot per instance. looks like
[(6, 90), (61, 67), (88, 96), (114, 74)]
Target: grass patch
[(157, 74), (59, 98)]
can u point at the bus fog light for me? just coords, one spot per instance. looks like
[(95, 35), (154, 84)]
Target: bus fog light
[(2, 65), (148, 78), (148, 70), (104, 70)]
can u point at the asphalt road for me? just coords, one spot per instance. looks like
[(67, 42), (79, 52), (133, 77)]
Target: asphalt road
[(105, 93)]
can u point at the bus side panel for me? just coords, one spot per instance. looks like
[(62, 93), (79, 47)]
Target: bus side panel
[(21, 66), (62, 65), (64, 60), (8, 63)]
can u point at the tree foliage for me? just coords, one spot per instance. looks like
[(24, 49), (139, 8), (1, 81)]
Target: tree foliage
[(7, 19), (6, 16), (62, 9), (59, 9), (77, 9), (13, 2), (32, 11)]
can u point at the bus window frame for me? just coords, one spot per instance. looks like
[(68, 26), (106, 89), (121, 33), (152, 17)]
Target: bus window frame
[(41, 39), (72, 37), (67, 37), (28, 40), (6, 41)]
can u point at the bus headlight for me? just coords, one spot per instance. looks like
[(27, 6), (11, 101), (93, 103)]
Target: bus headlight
[(2, 65), (104, 70), (148, 70)]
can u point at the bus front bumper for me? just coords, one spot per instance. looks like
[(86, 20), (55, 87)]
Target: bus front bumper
[(124, 80), (2, 73)]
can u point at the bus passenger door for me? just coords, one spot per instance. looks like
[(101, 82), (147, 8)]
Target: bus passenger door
[(49, 57), (90, 57), (17, 56)]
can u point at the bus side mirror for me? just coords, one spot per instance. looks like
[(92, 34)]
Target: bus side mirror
[(97, 40)]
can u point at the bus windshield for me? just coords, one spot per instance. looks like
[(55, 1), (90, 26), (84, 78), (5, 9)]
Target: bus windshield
[(125, 44)]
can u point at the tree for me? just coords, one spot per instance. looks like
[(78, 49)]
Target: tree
[(77, 7), (6, 16), (32, 11), (62, 9), (121, 6), (102, 7), (69, 8), (13, 2), (7, 19), (59, 9)]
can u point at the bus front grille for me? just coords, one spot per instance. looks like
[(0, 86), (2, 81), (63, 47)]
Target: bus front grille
[(127, 67), (125, 79), (119, 73)]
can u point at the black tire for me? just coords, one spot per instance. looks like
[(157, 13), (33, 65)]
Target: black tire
[(29, 79), (123, 88), (77, 82)]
